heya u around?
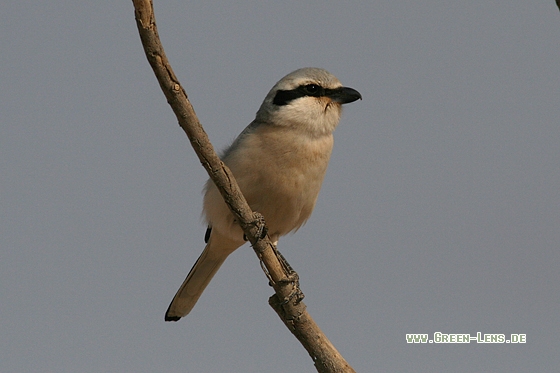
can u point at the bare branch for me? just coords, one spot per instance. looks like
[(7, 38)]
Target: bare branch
[(290, 309)]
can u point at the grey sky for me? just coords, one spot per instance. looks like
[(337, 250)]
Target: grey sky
[(440, 210)]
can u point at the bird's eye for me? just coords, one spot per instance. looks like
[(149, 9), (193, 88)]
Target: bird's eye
[(312, 89)]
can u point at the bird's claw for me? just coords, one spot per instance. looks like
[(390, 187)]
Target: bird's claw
[(262, 230), (291, 278), (296, 294)]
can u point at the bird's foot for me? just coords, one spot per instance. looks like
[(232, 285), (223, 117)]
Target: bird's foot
[(262, 230), (295, 294), (291, 278)]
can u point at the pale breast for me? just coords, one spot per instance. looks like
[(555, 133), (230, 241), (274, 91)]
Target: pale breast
[(280, 174)]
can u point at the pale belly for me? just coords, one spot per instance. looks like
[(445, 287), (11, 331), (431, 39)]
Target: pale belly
[(280, 182)]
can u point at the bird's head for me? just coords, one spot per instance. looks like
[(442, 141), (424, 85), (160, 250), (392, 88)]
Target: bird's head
[(308, 99)]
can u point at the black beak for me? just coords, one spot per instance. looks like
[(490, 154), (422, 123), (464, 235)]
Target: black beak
[(344, 95)]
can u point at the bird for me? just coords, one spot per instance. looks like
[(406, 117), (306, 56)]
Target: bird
[(279, 162)]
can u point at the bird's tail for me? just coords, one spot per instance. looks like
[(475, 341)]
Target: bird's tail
[(215, 253)]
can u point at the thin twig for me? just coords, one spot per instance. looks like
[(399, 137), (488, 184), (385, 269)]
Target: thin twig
[(290, 309)]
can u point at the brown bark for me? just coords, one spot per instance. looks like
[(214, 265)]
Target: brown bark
[(287, 300)]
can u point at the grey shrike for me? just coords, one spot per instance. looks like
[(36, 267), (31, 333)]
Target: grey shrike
[(279, 162)]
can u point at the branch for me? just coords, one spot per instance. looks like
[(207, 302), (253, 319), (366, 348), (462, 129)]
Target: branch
[(290, 309)]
